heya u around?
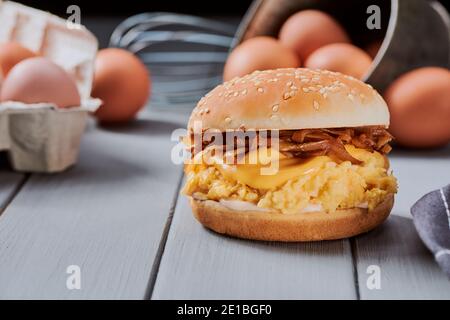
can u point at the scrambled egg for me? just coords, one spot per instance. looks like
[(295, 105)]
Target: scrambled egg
[(320, 182)]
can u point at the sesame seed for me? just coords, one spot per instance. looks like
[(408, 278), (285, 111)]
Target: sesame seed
[(244, 92), (207, 110), (290, 83), (316, 105), (260, 90), (293, 87), (305, 80), (306, 90), (227, 119), (312, 89), (275, 108), (293, 93), (287, 95), (333, 89), (220, 94), (235, 93), (350, 96)]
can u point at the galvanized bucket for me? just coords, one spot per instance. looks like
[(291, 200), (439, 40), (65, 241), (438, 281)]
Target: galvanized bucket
[(414, 33)]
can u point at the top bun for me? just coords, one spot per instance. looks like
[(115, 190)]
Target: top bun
[(285, 99)]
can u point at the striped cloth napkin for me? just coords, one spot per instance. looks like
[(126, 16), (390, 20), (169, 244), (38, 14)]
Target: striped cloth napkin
[(431, 216)]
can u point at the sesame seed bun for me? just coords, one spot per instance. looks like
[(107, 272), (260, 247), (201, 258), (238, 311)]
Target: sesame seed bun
[(285, 99), (271, 226)]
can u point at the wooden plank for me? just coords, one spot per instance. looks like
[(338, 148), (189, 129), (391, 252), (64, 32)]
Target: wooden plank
[(199, 264), (419, 173), (407, 268), (9, 184), (105, 215)]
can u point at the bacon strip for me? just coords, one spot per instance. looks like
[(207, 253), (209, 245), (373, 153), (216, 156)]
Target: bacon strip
[(313, 142), (331, 142)]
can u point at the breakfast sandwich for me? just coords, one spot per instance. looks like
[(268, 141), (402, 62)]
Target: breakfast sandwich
[(290, 155)]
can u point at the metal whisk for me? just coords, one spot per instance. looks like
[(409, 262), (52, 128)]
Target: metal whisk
[(185, 54)]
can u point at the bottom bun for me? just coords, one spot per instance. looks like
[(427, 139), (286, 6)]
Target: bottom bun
[(271, 226)]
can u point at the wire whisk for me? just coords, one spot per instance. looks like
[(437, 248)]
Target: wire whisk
[(185, 54)]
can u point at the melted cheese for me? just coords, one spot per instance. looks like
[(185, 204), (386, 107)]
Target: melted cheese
[(284, 169), (297, 184), (252, 176)]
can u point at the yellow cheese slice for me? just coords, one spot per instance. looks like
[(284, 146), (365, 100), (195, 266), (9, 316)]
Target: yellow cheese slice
[(277, 171)]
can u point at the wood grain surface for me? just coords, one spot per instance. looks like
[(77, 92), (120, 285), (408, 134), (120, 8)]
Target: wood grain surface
[(105, 215), (407, 268), (200, 264), (9, 185)]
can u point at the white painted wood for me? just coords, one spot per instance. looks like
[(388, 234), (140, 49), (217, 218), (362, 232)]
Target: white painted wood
[(418, 173), (105, 215), (199, 264), (408, 270), (9, 181)]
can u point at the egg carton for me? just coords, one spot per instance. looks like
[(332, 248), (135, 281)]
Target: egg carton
[(406, 43), (41, 137)]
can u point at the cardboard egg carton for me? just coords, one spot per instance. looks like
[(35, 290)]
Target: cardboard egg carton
[(42, 137)]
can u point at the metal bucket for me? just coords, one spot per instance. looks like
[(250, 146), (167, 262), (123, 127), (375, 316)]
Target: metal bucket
[(414, 33)]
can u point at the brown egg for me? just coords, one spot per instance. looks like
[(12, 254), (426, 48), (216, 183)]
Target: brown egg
[(122, 82), (419, 103), (340, 57), (12, 53), (38, 80), (308, 30), (259, 53), (373, 48)]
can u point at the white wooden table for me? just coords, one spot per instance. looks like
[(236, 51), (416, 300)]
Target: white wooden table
[(118, 216)]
